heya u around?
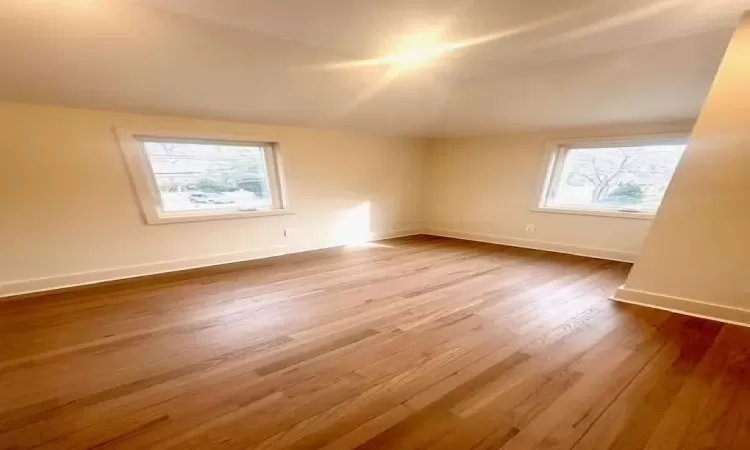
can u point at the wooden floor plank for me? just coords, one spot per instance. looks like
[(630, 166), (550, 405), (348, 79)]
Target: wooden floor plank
[(418, 342)]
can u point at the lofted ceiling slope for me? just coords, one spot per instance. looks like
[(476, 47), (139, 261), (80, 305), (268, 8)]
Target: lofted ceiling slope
[(411, 67)]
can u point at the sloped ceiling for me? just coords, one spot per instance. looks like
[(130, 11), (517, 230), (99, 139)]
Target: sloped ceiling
[(504, 66)]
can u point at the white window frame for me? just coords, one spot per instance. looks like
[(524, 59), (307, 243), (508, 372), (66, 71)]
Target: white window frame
[(555, 157), (146, 189)]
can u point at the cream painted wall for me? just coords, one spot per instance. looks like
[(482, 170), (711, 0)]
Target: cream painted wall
[(485, 189), (69, 214), (697, 256)]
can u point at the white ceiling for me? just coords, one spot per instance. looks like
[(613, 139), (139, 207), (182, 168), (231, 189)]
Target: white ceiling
[(516, 64)]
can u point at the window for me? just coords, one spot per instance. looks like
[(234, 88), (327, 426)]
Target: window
[(620, 177), (198, 178)]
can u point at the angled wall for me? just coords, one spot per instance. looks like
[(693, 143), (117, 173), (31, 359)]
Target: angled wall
[(696, 258)]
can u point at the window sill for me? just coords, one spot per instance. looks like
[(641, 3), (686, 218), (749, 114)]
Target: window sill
[(203, 216), (589, 212)]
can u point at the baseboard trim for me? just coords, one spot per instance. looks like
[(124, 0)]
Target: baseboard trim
[(38, 285), (324, 244), (613, 255), (23, 288), (680, 305)]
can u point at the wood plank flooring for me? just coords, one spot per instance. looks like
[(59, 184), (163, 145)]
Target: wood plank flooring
[(410, 343)]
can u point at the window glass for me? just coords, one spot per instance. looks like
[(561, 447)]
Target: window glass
[(207, 176), (628, 178)]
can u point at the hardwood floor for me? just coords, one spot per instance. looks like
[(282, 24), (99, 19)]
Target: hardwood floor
[(410, 343)]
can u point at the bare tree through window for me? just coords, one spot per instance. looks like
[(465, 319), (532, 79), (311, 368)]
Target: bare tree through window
[(614, 178)]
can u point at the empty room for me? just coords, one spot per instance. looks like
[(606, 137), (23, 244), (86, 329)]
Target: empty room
[(375, 224)]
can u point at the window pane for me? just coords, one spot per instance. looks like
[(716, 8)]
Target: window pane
[(197, 176), (617, 178)]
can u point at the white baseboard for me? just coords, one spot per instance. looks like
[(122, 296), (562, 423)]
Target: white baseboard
[(613, 255), (696, 308), (34, 285), (119, 273), (396, 234), (319, 244)]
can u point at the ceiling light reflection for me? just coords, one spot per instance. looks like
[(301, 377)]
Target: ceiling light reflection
[(426, 46)]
